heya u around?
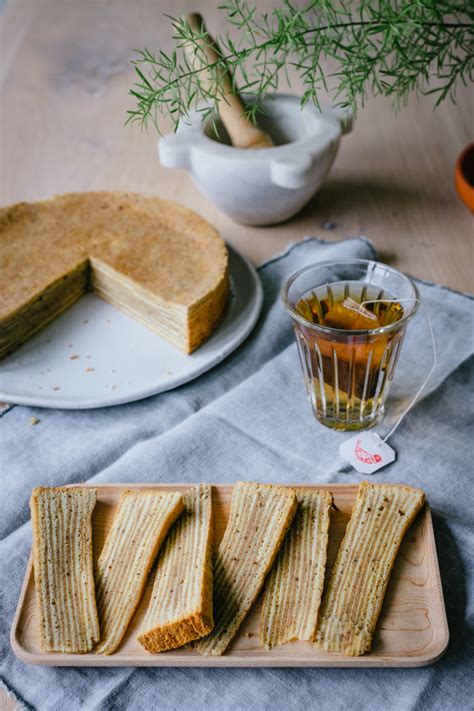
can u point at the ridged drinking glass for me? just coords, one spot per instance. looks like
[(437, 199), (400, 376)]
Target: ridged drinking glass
[(348, 372)]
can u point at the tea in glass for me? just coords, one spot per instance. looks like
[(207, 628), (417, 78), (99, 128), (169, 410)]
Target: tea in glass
[(349, 320)]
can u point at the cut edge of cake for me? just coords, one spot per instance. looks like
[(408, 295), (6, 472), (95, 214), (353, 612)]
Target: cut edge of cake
[(63, 568), (141, 522), (240, 568), (294, 586), (183, 568), (354, 595)]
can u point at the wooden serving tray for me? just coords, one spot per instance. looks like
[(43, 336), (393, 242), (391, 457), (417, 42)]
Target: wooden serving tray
[(412, 629)]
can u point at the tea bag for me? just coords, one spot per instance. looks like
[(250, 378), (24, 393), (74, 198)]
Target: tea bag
[(351, 316)]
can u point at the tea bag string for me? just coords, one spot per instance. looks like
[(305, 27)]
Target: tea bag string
[(432, 369)]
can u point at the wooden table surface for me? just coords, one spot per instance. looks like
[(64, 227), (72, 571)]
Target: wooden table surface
[(65, 74)]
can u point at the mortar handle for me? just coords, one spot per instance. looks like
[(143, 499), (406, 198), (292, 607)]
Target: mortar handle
[(242, 133), (344, 116), (291, 172)]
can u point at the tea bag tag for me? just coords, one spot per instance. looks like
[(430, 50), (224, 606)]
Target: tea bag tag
[(367, 452)]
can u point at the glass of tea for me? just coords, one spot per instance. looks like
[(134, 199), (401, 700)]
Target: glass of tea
[(349, 319)]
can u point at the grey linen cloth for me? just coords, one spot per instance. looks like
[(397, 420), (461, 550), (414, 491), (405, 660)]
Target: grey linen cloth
[(249, 419)]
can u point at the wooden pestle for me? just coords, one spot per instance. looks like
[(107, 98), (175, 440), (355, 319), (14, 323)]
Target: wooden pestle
[(242, 132)]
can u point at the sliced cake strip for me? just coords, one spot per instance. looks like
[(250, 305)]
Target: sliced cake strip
[(180, 608), (63, 565), (359, 578), (294, 586), (260, 516), (138, 529)]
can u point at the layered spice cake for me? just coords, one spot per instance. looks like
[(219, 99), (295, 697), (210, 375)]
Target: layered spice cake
[(180, 607), (161, 263)]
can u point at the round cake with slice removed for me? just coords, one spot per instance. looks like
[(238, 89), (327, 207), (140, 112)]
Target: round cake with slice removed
[(157, 261)]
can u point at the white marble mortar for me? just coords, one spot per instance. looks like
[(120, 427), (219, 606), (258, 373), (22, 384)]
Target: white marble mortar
[(261, 186)]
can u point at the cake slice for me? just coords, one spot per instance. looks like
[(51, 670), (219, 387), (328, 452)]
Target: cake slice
[(260, 516), (354, 596), (294, 586), (138, 529), (64, 579), (180, 608)]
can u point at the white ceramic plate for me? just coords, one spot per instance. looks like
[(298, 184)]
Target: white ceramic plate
[(94, 355)]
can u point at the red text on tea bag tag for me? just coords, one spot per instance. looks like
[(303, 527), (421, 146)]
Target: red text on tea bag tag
[(366, 452)]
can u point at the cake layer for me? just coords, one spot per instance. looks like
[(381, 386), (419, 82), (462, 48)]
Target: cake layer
[(353, 599), (64, 580), (138, 529), (259, 519), (169, 321), (294, 585), (58, 296), (180, 608)]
